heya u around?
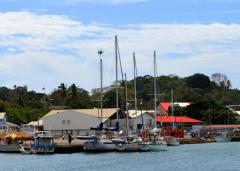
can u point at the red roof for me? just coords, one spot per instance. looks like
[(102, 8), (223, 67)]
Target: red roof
[(178, 119), (166, 105)]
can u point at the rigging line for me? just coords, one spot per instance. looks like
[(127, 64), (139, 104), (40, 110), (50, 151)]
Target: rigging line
[(120, 62)]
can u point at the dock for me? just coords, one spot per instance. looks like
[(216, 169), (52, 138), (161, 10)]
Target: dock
[(62, 146), (196, 140)]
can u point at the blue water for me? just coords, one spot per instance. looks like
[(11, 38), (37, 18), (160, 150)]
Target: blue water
[(207, 157)]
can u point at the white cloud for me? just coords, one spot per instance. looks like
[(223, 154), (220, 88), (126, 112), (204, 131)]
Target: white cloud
[(45, 50)]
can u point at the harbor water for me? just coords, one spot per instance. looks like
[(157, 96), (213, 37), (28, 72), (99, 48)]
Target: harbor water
[(207, 157)]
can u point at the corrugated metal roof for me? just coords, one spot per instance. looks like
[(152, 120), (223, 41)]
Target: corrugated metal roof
[(2, 115), (137, 113), (178, 119), (166, 105), (12, 124), (92, 112), (35, 123)]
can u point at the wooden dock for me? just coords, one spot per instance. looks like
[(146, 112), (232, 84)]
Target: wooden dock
[(62, 146), (196, 141)]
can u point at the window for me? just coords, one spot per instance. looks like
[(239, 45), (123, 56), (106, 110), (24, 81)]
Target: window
[(63, 121), (68, 121)]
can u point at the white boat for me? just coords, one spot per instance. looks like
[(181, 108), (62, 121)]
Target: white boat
[(158, 143), (172, 141), (120, 144), (43, 143), (224, 137), (86, 137), (158, 146), (144, 146), (9, 148), (25, 150), (99, 145)]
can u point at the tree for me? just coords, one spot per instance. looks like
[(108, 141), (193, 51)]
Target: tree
[(198, 81), (2, 106), (221, 80), (62, 89), (77, 98)]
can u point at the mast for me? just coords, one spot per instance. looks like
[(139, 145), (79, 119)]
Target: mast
[(155, 90), (126, 101), (100, 52), (173, 124), (116, 60), (135, 82)]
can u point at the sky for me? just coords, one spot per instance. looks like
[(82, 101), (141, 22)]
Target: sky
[(44, 43)]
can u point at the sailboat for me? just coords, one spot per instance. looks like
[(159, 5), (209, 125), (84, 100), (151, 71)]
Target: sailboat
[(99, 141), (158, 142), (126, 142), (171, 140)]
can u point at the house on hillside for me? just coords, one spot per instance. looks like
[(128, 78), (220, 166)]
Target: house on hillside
[(234, 109), (79, 121), (164, 106)]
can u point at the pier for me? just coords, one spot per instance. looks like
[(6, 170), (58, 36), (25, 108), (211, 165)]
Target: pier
[(62, 146)]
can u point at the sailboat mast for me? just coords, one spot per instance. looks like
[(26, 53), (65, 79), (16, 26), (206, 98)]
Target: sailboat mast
[(155, 90), (135, 82), (116, 60), (100, 52), (126, 87), (173, 124)]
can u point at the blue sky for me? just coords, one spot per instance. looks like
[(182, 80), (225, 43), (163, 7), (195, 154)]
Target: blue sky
[(149, 11), (44, 43)]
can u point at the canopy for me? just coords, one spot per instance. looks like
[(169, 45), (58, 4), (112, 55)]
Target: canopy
[(18, 135), (177, 119)]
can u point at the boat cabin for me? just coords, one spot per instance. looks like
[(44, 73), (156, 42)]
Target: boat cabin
[(43, 142)]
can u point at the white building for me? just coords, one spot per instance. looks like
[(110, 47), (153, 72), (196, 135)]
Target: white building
[(137, 116), (78, 121), (32, 126)]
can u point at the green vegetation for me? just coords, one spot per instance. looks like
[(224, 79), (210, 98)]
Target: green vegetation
[(208, 98)]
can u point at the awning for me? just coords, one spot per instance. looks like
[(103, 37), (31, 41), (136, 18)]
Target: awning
[(177, 119)]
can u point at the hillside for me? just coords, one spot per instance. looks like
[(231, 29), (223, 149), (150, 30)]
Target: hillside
[(208, 97)]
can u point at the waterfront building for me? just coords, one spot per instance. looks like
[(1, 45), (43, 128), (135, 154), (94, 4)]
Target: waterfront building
[(32, 126), (141, 117), (217, 129), (5, 125), (182, 123), (79, 121), (3, 119)]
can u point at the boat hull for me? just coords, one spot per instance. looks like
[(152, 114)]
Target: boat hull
[(144, 146), (222, 139), (11, 148), (99, 146), (158, 147), (172, 141)]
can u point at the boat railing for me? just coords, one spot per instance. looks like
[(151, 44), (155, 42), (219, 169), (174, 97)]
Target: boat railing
[(42, 134)]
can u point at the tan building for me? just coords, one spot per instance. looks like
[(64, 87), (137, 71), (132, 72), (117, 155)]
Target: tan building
[(78, 121)]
